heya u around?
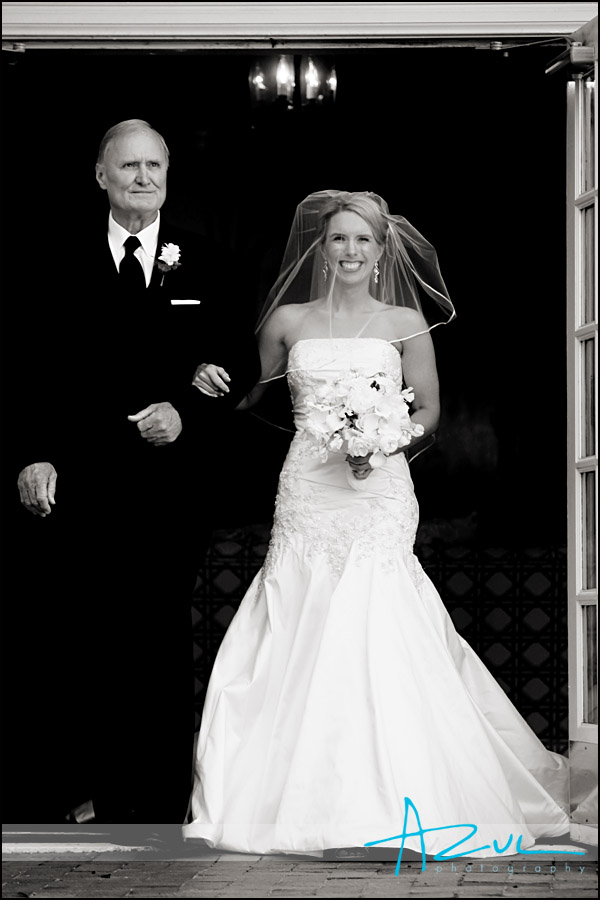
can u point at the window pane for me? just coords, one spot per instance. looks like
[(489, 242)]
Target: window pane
[(588, 135), (588, 263), (590, 666), (588, 394), (589, 530)]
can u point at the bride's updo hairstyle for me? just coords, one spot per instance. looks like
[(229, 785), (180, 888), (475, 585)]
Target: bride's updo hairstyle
[(361, 204), (409, 271)]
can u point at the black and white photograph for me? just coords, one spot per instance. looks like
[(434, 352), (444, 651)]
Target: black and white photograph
[(299, 473)]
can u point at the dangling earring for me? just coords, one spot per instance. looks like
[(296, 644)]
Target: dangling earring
[(325, 268), (376, 271)]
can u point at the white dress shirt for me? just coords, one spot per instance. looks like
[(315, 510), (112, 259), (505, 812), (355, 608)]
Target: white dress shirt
[(148, 238)]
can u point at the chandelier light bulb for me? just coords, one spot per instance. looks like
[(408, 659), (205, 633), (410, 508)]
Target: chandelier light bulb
[(332, 82), (312, 80), (285, 77)]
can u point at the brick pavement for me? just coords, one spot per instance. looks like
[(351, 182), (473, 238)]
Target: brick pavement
[(83, 872)]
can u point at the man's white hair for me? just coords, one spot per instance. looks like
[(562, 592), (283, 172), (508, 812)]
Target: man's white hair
[(127, 127)]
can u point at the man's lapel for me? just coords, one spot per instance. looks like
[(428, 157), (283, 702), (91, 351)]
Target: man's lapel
[(162, 283), (159, 282), (155, 281), (97, 259)]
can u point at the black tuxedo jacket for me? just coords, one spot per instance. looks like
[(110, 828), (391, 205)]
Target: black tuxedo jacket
[(98, 594), (109, 354)]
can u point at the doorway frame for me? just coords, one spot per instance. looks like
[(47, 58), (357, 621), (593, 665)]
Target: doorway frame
[(268, 25), (248, 26)]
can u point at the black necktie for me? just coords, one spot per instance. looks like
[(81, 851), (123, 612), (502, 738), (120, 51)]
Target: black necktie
[(131, 273)]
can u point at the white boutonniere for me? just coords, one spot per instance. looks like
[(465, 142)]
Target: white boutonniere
[(169, 259)]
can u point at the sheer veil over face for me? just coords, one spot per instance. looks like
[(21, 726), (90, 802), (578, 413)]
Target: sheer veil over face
[(407, 273)]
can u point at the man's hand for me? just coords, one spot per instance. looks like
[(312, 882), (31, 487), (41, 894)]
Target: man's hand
[(159, 423), (37, 487)]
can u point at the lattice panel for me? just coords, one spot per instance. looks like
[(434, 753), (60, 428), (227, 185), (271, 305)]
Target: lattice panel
[(509, 605)]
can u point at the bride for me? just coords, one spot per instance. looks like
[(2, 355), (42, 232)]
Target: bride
[(343, 708)]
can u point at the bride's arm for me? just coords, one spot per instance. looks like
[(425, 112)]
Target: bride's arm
[(420, 373), (213, 380), (273, 349)]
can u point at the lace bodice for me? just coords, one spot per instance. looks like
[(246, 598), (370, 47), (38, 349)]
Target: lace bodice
[(321, 504), (315, 361)]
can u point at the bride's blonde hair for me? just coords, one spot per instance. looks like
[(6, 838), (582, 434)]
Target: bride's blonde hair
[(356, 202)]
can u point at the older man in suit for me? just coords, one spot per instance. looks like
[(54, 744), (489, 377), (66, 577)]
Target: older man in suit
[(123, 461)]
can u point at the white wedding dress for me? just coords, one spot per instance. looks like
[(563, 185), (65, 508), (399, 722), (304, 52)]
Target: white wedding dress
[(342, 688)]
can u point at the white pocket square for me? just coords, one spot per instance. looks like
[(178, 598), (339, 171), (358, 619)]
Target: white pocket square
[(185, 302)]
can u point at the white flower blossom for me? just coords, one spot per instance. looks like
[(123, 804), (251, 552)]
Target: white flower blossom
[(362, 413), (170, 254), (388, 445), (369, 424), (358, 446), (336, 443)]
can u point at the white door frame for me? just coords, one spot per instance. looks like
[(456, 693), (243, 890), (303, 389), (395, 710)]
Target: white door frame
[(582, 474), (266, 25), (247, 26)]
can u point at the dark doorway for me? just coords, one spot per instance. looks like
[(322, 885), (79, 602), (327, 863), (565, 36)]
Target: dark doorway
[(469, 145)]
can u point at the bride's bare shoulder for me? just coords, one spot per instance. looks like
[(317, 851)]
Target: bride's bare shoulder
[(404, 321), (285, 322), (290, 313)]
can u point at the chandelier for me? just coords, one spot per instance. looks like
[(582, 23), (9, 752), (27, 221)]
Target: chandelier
[(292, 82)]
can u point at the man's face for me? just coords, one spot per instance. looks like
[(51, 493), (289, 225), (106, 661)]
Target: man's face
[(134, 173)]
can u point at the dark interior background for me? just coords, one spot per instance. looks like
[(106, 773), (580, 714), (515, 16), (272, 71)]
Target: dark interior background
[(469, 145)]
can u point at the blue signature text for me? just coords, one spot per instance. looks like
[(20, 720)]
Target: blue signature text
[(445, 854)]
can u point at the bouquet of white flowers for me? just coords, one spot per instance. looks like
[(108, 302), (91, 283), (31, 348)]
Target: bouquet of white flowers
[(361, 414)]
